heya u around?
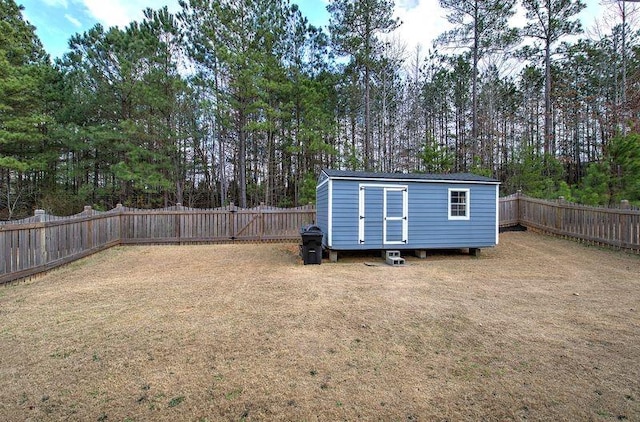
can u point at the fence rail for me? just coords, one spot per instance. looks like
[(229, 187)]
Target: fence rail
[(43, 242)]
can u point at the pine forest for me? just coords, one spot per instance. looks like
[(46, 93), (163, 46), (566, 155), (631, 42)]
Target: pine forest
[(244, 102)]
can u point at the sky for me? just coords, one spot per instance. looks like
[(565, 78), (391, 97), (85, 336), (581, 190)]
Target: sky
[(57, 20)]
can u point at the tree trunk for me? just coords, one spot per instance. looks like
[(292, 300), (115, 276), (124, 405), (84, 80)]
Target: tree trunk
[(242, 158), (474, 88), (549, 148)]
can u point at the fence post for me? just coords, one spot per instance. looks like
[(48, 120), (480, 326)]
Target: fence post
[(178, 223), (518, 209), (625, 223), (560, 214), (89, 236), (40, 216), (233, 211), (120, 222), (261, 233)]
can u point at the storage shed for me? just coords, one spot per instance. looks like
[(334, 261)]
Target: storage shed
[(396, 211)]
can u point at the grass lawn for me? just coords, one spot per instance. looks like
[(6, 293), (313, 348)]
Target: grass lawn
[(537, 328)]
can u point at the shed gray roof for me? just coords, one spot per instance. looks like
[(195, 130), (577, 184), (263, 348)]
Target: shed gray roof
[(457, 177)]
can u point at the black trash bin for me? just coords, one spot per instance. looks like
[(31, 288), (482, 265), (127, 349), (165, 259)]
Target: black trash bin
[(311, 248)]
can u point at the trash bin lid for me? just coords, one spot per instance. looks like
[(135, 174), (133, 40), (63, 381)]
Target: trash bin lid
[(310, 228)]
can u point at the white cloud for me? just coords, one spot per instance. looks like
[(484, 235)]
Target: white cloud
[(122, 12), (73, 20), (422, 22), (407, 4), (56, 3), (110, 13)]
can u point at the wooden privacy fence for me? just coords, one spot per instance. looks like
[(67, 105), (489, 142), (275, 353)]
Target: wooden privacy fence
[(189, 225), (509, 210), (43, 242), (615, 227)]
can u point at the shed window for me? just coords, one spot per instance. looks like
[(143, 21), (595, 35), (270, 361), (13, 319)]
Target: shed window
[(458, 204)]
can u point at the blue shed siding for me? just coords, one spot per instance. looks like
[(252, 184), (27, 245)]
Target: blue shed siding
[(428, 224), (322, 209), (344, 214), (394, 203), (372, 222)]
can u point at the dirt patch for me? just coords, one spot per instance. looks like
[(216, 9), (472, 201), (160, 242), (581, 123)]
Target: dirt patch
[(537, 328)]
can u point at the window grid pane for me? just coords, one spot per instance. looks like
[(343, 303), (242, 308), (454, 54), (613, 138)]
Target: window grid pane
[(458, 203)]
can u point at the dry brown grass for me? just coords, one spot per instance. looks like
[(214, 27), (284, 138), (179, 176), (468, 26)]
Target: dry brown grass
[(537, 328)]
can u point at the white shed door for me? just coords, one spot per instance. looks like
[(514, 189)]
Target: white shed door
[(395, 213)]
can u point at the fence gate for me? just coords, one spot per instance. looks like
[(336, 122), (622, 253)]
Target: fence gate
[(246, 225)]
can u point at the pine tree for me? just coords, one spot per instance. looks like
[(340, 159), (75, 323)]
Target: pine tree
[(549, 22), (355, 26), (26, 151), (481, 26), (125, 92)]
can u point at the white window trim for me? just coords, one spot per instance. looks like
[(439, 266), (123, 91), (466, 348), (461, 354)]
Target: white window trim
[(467, 215), (497, 214)]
